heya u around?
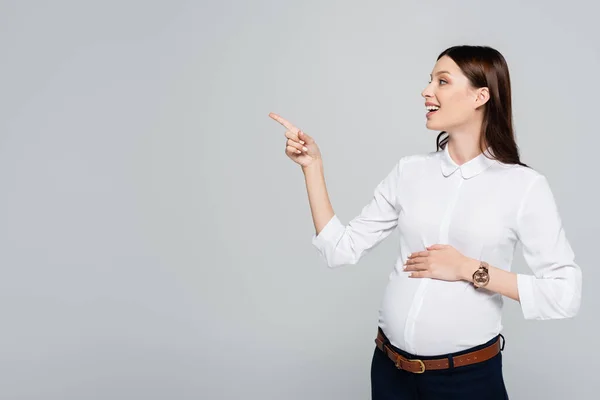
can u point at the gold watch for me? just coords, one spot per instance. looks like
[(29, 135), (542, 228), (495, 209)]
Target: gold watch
[(481, 277)]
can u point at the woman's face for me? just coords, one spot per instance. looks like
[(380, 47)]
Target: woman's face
[(458, 101)]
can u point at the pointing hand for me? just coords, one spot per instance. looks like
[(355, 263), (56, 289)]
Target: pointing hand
[(300, 147)]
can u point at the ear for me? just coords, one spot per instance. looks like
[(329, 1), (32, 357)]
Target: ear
[(482, 96)]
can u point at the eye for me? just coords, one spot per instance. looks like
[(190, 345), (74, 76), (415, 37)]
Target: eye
[(441, 80)]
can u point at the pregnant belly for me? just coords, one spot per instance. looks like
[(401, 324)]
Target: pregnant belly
[(428, 316)]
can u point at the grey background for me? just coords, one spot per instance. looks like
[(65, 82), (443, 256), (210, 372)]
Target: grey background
[(154, 237)]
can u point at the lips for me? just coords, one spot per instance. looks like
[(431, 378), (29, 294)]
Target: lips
[(431, 111)]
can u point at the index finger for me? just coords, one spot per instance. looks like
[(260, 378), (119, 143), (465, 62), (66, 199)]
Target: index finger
[(284, 122)]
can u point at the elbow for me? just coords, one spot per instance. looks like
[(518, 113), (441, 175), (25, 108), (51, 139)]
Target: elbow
[(555, 310), (570, 304), (335, 244), (552, 298), (335, 265), (342, 253), (568, 299), (574, 285), (338, 259), (566, 309), (573, 310)]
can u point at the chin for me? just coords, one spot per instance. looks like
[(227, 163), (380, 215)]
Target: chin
[(433, 126)]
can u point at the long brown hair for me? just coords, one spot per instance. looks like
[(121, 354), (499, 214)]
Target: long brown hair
[(486, 67)]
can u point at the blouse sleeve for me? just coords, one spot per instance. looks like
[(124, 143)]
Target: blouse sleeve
[(554, 289), (341, 244)]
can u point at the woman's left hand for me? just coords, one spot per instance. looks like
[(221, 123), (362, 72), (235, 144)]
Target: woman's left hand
[(441, 261)]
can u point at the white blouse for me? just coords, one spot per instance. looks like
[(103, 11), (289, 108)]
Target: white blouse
[(481, 208)]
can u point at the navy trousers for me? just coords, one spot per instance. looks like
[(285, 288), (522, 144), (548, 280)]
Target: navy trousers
[(483, 380)]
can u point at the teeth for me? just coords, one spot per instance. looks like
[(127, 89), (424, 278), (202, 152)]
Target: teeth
[(432, 108)]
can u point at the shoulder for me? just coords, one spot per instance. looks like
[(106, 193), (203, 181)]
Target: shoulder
[(406, 162), (419, 158), (419, 164), (519, 173), (525, 183)]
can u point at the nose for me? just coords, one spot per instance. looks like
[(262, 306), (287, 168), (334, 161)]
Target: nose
[(427, 92)]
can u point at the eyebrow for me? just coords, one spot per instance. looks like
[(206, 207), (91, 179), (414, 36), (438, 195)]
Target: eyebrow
[(442, 72)]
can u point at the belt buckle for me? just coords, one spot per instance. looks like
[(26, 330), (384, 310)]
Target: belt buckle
[(415, 360)]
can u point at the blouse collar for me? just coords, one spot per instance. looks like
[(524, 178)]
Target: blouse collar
[(469, 169)]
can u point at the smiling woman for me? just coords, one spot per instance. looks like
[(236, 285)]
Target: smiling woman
[(460, 211), (474, 89)]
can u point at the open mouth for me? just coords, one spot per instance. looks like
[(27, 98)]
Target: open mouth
[(431, 110)]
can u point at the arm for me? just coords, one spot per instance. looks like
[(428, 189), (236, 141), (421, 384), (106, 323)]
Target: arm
[(554, 289), (343, 244), (501, 281), (318, 198)]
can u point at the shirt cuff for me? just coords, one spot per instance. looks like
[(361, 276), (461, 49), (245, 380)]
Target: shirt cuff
[(526, 298), (330, 232)]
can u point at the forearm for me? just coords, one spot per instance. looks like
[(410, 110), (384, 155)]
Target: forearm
[(501, 281), (318, 198)]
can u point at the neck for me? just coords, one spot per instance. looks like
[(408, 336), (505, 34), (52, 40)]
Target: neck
[(464, 144)]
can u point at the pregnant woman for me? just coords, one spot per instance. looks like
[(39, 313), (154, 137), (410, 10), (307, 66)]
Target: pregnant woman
[(460, 211)]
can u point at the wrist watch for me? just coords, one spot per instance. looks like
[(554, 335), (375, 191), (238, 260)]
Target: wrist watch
[(481, 276)]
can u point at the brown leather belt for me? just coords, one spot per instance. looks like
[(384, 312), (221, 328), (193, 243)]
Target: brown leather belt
[(419, 366)]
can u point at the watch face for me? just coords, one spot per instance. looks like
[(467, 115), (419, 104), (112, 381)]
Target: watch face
[(481, 277)]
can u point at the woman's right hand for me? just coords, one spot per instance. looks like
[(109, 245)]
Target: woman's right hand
[(300, 147)]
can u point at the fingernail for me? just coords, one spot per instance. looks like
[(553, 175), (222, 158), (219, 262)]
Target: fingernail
[(298, 151), (304, 148), (302, 142)]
